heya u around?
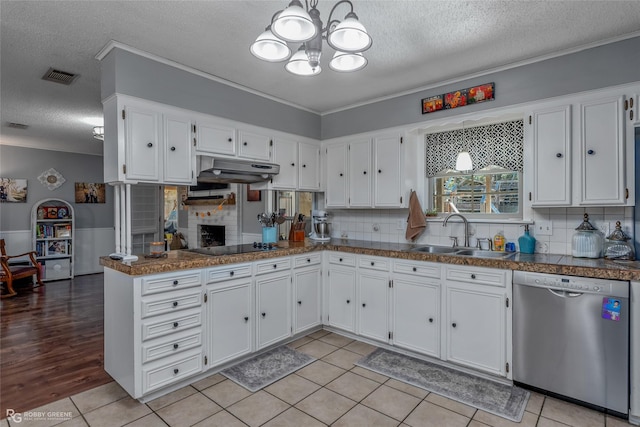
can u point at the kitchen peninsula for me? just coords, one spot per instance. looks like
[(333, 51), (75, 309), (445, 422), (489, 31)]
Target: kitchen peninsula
[(174, 320)]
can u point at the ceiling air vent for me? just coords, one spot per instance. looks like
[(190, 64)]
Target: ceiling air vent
[(17, 125), (58, 76)]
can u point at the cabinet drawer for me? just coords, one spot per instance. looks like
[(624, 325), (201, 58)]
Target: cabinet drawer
[(270, 266), (234, 271), (342, 258), (171, 323), (170, 282), (477, 275), (374, 263), (162, 375), (169, 303), (422, 269), (308, 259), (173, 344)]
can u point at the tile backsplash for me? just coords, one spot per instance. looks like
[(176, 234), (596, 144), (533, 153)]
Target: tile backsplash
[(389, 225)]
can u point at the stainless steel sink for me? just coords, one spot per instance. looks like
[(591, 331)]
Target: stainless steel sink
[(448, 250), (436, 249), (484, 254)]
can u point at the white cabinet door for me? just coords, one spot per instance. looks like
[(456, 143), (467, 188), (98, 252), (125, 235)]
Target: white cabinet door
[(229, 319), (373, 305), (215, 138), (308, 166), (306, 283), (273, 305), (254, 145), (602, 152), (387, 172), (476, 327), (336, 177), (552, 156), (416, 315), (178, 155), (360, 176), (285, 153), (143, 143), (341, 298)]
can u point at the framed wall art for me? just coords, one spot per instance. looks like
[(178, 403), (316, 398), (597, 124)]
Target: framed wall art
[(90, 192), (459, 98), (253, 195), (13, 190)]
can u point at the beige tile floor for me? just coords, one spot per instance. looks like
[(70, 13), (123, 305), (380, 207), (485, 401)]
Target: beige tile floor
[(330, 391)]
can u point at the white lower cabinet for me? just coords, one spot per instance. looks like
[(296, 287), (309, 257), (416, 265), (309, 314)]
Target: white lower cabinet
[(373, 298), (306, 288), (341, 292), (229, 320), (416, 314), (477, 318), (273, 308)]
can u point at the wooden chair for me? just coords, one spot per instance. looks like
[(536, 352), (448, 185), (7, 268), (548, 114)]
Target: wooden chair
[(9, 273)]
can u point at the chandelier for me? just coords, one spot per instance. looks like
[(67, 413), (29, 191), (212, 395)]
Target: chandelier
[(297, 24)]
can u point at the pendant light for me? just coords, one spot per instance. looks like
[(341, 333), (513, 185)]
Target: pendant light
[(297, 24), (463, 161)]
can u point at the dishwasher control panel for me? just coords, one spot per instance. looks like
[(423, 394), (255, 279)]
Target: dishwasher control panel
[(572, 283)]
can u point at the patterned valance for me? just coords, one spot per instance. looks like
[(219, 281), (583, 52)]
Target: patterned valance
[(498, 144)]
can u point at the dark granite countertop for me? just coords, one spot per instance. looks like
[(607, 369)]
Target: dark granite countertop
[(541, 263)]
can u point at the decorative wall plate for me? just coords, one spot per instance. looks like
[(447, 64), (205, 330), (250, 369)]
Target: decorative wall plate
[(51, 179)]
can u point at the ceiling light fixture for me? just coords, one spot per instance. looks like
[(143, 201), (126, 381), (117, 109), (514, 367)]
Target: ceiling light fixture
[(98, 132), (298, 24)]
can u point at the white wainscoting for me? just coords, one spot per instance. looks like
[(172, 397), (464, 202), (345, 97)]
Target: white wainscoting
[(89, 245)]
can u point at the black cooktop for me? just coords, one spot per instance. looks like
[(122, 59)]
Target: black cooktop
[(235, 249)]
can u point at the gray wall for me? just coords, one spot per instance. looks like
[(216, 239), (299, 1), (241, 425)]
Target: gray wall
[(29, 163), (250, 211), (602, 66), (126, 73)]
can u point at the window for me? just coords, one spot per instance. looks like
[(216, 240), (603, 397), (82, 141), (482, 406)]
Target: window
[(291, 203), (494, 186), (488, 193)]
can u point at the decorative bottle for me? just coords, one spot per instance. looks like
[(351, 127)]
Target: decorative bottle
[(527, 242)]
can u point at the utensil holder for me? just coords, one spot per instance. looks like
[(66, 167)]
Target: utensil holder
[(269, 235)]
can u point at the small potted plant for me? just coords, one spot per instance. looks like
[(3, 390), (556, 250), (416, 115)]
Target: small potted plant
[(431, 212)]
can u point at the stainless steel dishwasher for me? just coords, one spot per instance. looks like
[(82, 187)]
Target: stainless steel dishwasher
[(571, 337)]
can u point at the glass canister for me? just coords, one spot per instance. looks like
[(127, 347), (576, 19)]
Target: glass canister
[(617, 245), (587, 240)]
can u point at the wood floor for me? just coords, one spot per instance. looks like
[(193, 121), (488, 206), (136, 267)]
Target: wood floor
[(51, 342)]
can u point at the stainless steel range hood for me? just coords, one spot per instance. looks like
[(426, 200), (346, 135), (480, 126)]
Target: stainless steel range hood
[(234, 171)]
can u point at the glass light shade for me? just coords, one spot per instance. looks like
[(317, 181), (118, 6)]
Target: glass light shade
[(463, 162), (294, 24), (350, 36), (299, 65), (346, 62), (98, 133), (270, 48)]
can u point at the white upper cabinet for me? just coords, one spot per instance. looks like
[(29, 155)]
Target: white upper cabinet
[(254, 145), (365, 173), (147, 142), (178, 158), (602, 150), (299, 165), (143, 141), (360, 176), (582, 151), (552, 156), (336, 176), (215, 138), (285, 154), (308, 166), (387, 181)]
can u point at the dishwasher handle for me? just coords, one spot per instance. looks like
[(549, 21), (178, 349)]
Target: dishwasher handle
[(565, 294)]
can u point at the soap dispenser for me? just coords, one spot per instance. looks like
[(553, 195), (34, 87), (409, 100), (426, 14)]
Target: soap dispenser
[(527, 242)]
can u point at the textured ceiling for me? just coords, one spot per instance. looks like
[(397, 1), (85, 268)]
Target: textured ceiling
[(416, 44)]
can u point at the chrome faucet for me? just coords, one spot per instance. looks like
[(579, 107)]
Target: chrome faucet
[(466, 226)]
